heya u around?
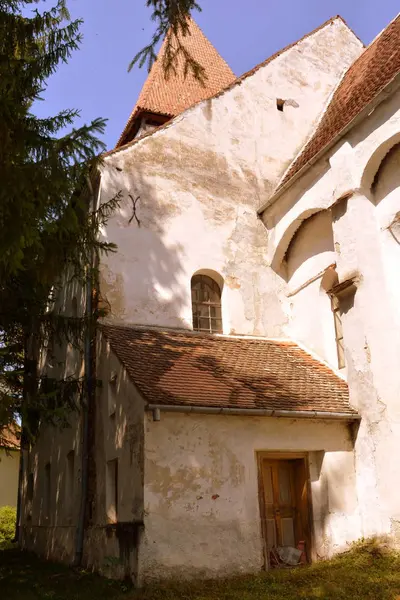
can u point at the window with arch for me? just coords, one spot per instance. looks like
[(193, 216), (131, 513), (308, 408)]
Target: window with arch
[(206, 304)]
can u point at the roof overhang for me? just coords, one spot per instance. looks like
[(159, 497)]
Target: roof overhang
[(255, 412), (388, 90)]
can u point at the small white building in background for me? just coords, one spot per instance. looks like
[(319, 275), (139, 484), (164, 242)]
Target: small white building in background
[(249, 359), (9, 469)]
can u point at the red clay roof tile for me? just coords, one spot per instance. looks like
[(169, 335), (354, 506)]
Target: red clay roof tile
[(179, 368), (363, 81)]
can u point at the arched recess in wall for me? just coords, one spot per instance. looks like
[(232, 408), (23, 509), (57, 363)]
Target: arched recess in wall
[(385, 193), (375, 160), (206, 291), (309, 266), (311, 249), (288, 235), (387, 176)]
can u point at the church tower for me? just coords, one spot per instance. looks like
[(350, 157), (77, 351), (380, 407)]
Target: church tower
[(164, 97)]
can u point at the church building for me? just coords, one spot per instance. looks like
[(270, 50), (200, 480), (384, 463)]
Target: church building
[(248, 404)]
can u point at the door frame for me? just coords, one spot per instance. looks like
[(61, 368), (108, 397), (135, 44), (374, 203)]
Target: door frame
[(283, 455)]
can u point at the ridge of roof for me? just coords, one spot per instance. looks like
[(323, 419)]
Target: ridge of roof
[(181, 368), (232, 85), (169, 96), (375, 68)]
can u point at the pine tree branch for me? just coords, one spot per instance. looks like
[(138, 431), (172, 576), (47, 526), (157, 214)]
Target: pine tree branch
[(171, 18)]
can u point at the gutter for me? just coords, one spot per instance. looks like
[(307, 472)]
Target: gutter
[(380, 97), (256, 412)]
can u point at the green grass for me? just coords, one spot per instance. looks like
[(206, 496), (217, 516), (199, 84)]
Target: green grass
[(366, 572)]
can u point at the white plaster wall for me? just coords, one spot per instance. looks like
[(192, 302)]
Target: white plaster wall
[(120, 437), (52, 534), (310, 252), (350, 165), (312, 323), (116, 437), (199, 181), (201, 490), (386, 195), (112, 548), (364, 248), (372, 351), (9, 469)]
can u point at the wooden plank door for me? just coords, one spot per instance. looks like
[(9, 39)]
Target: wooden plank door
[(280, 502)]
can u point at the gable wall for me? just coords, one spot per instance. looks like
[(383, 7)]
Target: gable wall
[(199, 181)]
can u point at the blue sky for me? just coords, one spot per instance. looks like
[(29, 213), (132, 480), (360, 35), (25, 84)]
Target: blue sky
[(245, 32)]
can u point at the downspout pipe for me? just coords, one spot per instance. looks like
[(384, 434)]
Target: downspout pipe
[(80, 530), (255, 412)]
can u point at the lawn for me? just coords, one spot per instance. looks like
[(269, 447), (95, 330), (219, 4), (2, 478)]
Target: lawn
[(365, 572)]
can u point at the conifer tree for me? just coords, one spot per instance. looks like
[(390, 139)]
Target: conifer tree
[(171, 18), (48, 221), (47, 218)]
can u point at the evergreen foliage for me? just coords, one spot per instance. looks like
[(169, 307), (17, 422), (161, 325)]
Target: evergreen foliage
[(48, 220), (7, 526), (171, 18)]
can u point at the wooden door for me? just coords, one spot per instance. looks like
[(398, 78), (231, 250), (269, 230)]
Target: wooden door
[(280, 503), (284, 501)]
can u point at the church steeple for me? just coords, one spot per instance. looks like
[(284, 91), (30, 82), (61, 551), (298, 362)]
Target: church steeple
[(162, 98)]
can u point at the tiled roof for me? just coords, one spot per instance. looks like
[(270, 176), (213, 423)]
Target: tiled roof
[(367, 76), (179, 368), (171, 96)]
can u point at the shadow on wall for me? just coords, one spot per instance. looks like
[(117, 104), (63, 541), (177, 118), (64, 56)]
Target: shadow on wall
[(181, 214), (51, 488), (140, 283), (333, 482), (314, 238)]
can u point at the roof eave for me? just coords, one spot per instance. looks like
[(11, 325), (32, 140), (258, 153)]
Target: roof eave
[(379, 98), (138, 114), (292, 414)]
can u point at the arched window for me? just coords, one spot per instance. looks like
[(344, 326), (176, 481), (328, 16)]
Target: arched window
[(206, 304)]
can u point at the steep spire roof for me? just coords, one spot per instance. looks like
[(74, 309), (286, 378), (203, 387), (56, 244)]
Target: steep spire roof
[(171, 96), (375, 68)]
